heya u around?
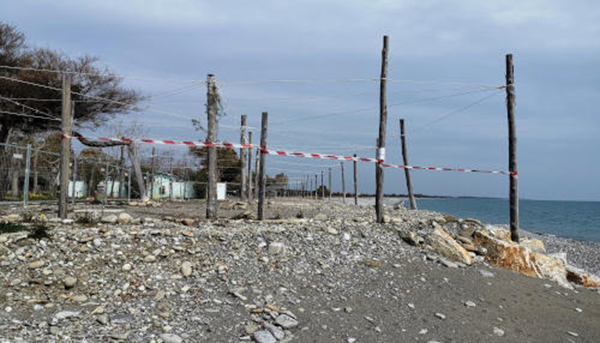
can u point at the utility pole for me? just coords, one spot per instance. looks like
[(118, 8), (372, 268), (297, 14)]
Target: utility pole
[(249, 183), (65, 146), (382, 129), (256, 176), (211, 136), (355, 181), (411, 196), (262, 168), (322, 185), (343, 183), (512, 149), (171, 197), (330, 184), (74, 178), (316, 183), (243, 159)]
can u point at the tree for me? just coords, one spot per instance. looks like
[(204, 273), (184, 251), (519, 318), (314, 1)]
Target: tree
[(97, 92), (228, 167)]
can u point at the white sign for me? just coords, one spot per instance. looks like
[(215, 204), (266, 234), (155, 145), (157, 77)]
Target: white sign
[(18, 156), (221, 191)]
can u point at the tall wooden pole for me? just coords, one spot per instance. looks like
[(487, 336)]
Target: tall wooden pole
[(256, 176), (211, 136), (316, 185), (512, 149), (382, 131), (322, 185), (411, 196), (330, 188), (343, 183), (153, 170), (249, 183), (74, 178), (65, 146), (354, 164), (262, 185), (243, 175)]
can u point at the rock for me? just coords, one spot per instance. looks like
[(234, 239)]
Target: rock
[(440, 315), (80, 298), (12, 218), (445, 245), (534, 245), (70, 281), (469, 303), (447, 263), (286, 321), (275, 331), (580, 277), (126, 267), (188, 222), (250, 328), (264, 336), (68, 221), (186, 269), (171, 338), (486, 273), (331, 230), (64, 315), (411, 237), (498, 332), (276, 248), (499, 233), (150, 258), (36, 264), (110, 219), (510, 255), (320, 217), (386, 218), (124, 218)]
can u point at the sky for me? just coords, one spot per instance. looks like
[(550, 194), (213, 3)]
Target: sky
[(446, 60)]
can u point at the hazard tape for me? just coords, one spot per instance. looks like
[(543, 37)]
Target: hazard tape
[(292, 153)]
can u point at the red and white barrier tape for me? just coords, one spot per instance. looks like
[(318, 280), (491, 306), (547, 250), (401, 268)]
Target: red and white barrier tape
[(291, 153)]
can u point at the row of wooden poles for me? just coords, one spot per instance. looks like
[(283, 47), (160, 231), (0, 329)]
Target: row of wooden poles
[(212, 113)]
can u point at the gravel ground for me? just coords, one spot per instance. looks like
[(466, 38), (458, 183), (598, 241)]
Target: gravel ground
[(331, 276)]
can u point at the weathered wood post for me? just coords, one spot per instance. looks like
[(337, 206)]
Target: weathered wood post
[(354, 164), (382, 132), (411, 196), (330, 188), (106, 183), (256, 176), (211, 136), (343, 183), (243, 175), (153, 172), (322, 185), (27, 173), (74, 178), (249, 183), (65, 146), (316, 185), (129, 186), (262, 185), (512, 150)]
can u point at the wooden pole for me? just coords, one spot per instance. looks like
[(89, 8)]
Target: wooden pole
[(106, 182), (322, 185), (330, 188), (171, 195), (411, 196), (512, 149), (262, 168), (153, 171), (316, 185), (65, 146), (243, 157), (211, 112), (354, 164), (74, 178), (343, 183), (249, 183), (382, 131), (129, 185), (256, 176)]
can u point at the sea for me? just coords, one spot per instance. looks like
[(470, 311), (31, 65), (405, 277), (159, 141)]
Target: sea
[(578, 220)]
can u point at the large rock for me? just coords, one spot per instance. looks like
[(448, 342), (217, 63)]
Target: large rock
[(411, 237), (446, 246), (12, 218), (533, 245), (124, 218), (510, 255), (110, 219), (320, 217), (580, 277)]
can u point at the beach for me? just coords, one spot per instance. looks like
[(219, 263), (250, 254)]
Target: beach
[(315, 271)]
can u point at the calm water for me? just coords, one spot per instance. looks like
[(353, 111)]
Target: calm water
[(574, 219)]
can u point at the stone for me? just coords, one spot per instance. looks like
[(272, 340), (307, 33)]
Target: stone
[(12, 218), (126, 267), (110, 219), (70, 281), (499, 233), (264, 336), (445, 245), (320, 217), (286, 321), (64, 315), (580, 277), (447, 263), (276, 248), (411, 237), (485, 273), (36, 264), (150, 258), (170, 338), (275, 331), (498, 332), (80, 298), (188, 222), (186, 269), (250, 328), (68, 221), (510, 255), (534, 245), (386, 218), (440, 315), (124, 218), (331, 230)]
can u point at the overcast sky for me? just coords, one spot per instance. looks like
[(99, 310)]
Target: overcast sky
[(453, 51)]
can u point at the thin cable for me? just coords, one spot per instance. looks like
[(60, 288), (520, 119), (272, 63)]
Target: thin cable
[(28, 107), (29, 115), (457, 111)]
